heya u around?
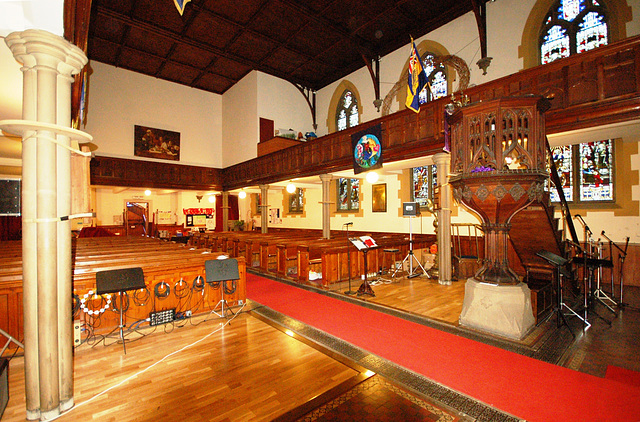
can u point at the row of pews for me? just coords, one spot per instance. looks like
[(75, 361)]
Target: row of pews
[(171, 272), (304, 256)]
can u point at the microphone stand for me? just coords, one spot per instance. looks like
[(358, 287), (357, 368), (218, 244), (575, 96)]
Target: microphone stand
[(621, 257), (585, 271), (349, 292)]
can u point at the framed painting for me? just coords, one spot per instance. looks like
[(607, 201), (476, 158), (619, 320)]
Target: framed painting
[(379, 197), (156, 143)]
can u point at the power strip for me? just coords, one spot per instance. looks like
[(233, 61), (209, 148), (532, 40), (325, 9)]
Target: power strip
[(162, 317)]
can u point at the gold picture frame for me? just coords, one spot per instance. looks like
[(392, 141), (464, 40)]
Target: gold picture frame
[(379, 197)]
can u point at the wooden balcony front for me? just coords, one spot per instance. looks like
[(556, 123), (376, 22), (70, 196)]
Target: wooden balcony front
[(590, 89)]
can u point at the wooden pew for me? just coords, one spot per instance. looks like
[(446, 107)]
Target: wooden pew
[(162, 262)]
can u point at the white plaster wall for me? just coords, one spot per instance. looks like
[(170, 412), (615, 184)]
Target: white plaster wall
[(240, 125), (282, 102), (120, 99)]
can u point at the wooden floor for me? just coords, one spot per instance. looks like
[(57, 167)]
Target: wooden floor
[(251, 371)]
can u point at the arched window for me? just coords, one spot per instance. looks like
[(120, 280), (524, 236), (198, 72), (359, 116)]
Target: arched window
[(571, 27), (347, 112), (437, 77)]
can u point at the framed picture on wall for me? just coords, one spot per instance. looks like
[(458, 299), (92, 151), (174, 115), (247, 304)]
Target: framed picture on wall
[(156, 143), (379, 197)]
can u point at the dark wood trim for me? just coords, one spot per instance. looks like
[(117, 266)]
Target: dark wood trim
[(108, 171)]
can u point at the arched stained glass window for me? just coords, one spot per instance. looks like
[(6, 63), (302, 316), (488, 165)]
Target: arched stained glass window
[(347, 113), (571, 27), (437, 77)]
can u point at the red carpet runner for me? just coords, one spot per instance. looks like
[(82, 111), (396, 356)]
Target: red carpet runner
[(516, 384)]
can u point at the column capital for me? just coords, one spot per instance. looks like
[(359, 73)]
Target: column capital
[(326, 177), (442, 158), (35, 47)]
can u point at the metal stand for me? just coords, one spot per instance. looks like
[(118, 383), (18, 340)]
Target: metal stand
[(222, 302), (411, 257), (9, 340), (559, 262), (599, 294), (349, 292)]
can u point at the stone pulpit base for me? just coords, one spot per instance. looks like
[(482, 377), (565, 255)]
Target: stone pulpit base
[(503, 310)]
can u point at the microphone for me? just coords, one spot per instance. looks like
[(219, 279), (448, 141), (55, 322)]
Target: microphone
[(348, 224)]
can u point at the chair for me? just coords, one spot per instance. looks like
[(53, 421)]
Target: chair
[(120, 281), (465, 265), (218, 272)]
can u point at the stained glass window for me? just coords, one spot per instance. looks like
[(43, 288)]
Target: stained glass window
[(555, 45), (592, 33), (571, 27), (296, 201), (437, 78), (424, 180), (563, 160), (596, 171), (348, 194), (347, 113), (594, 176)]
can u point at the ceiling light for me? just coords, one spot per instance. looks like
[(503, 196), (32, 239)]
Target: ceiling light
[(372, 177), (242, 194), (212, 198), (291, 187), (147, 192)]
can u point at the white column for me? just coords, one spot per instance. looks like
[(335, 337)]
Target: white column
[(48, 63), (264, 209), (326, 205), (443, 161)]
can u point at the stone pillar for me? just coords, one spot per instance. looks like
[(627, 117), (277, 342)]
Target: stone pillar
[(326, 205), (49, 62), (443, 161), (264, 209)]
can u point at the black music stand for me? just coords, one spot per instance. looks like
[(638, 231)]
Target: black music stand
[(559, 263), (120, 281), (218, 272)]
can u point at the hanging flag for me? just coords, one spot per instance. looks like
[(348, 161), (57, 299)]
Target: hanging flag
[(416, 80), (180, 4)]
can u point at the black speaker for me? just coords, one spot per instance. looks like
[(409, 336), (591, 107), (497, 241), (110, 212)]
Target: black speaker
[(410, 209), (221, 269), (4, 385), (121, 280)]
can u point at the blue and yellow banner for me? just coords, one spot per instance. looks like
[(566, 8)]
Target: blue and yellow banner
[(416, 80)]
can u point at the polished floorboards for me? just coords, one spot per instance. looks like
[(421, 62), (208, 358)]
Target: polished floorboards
[(250, 370)]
